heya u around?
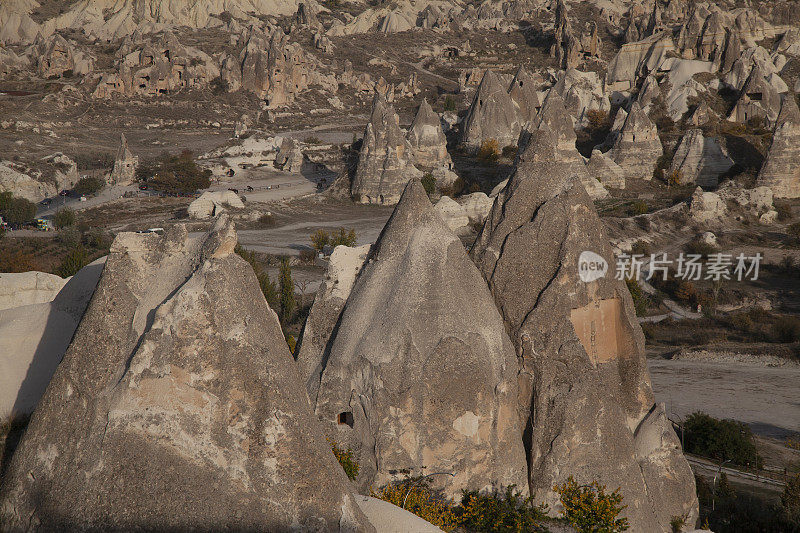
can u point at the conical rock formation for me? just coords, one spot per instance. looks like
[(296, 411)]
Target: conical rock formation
[(781, 169), (125, 164), (586, 388), (637, 147), (700, 160), (427, 139), (385, 163), (492, 115), (177, 407), (421, 376)]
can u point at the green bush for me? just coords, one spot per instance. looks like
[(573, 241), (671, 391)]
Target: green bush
[(343, 237), (699, 247), (174, 173), (267, 286), (346, 459), (69, 236), (428, 183), (640, 302), (589, 509), (499, 512), (721, 440), (64, 218), (16, 211), (640, 207), (416, 496), (88, 185), (286, 292), (790, 501), (320, 239), (449, 103), (76, 259), (787, 329), (489, 151)]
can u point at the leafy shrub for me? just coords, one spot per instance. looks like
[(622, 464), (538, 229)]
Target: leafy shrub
[(420, 500), (76, 259), (16, 211), (89, 185), (640, 207), (721, 440), (676, 523), (219, 86), (69, 236), (291, 342), (674, 177), (267, 286), (346, 458), (286, 291), (449, 103), (499, 513), (598, 119), (97, 238), (784, 211), (17, 261), (794, 230), (308, 256), (489, 151), (641, 247), (428, 183), (174, 173), (343, 237), (320, 239), (787, 329), (790, 500), (742, 322), (639, 299), (589, 509), (64, 218), (699, 247), (509, 151)]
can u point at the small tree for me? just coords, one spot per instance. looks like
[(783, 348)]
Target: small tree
[(320, 239), (346, 459), (589, 509), (449, 103), (88, 185), (64, 218), (343, 237), (428, 183), (287, 300), (489, 151), (16, 211), (75, 260), (790, 500)]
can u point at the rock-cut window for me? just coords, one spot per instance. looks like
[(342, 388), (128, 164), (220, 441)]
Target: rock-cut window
[(345, 418)]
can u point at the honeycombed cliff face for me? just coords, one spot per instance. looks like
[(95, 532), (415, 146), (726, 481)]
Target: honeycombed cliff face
[(177, 407), (585, 383)]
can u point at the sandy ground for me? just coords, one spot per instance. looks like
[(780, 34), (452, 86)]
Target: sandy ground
[(766, 398)]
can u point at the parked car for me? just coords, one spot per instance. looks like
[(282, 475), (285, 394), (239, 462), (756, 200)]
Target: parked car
[(83, 199), (143, 187)]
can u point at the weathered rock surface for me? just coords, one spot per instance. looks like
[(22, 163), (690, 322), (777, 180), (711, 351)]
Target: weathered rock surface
[(453, 213), (211, 204), (385, 163), (492, 115), (35, 334), (638, 146), (22, 185), (781, 169), (602, 168), (706, 207), (343, 267), (289, 157), (476, 206), (28, 288), (700, 160), (179, 387), (410, 386), (524, 93), (55, 57), (124, 171), (428, 143), (584, 380)]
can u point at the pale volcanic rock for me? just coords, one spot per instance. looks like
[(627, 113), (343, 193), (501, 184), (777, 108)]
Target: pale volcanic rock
[(54, 57), (409, 386), (638, 147), (781, 169), (637, 58), (602, 168), (453, 213), (35, 333), (289, 157), (492, 115), (16, 25), (179, 387), (272, 67), (476, 206), (525, 95), (26, 288), (427, 139), (20, 184), (211, 204), (124, 171), (584, 380), (385, 162), (343, 267), (581, 92), (700, 160), (706, 207)]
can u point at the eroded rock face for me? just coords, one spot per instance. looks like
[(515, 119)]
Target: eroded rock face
[(584, 380), (125, 164), (524, 94), (700, 160), (605, 170), (177, 406), (213, 203), (432, 386), (54, 57), (638, 147), (20, 184), (781, 169), (343, 267), (385, 163), (427, 139), (272, 67), (492, 115)]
